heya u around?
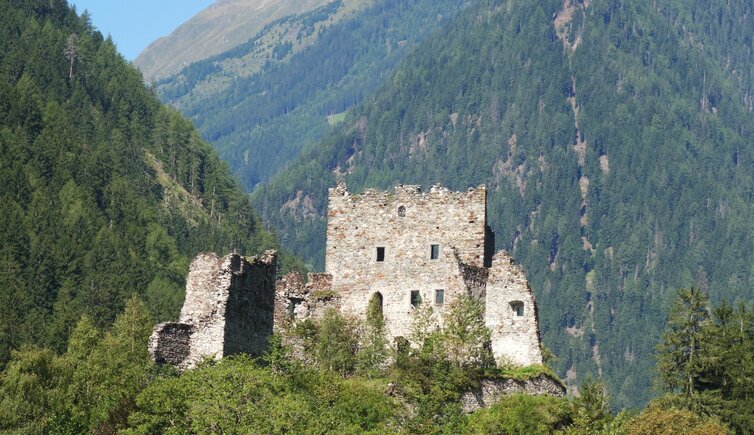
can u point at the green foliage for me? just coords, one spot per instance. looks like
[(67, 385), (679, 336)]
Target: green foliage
[(237, 396), (591, 411), (519, 414), (684, 352), (90, 388), (373, 349), (466, 338), (106, 193), (337, 342), (706, 360), (658, 419)]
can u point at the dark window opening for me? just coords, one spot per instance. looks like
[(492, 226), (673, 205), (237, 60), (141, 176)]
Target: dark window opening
[(402, 211), (292, 304), (380, 253), (416, 298), (439, 297), (434, 252), (518, 308)]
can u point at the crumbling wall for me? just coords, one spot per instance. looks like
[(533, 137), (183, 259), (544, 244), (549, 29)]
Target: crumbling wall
[(514, 328), (490, 391), (228, 309), (296, 300)]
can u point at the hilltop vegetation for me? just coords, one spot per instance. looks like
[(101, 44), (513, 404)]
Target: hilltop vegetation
[(260, 102), (613, 138), (105, 383), (106, 193)]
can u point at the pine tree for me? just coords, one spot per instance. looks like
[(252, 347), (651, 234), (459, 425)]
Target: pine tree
[(684, 354)]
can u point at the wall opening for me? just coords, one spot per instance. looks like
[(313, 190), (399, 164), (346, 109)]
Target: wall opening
[(434, 252), (518, 308), (416, 298), (293, 303), (380, 253), (439, 297), (374, 310), (402, 211)]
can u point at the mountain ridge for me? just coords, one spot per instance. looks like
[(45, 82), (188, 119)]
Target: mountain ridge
[(219, 27)]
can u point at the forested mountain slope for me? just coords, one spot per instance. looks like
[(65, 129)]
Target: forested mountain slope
[(615, 141), (105, 193), (260, 102), (220, 27)]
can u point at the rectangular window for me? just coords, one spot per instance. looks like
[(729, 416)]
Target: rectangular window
[(416, 298), (439, 296), (380, 253), (434, 252), (518, 308)]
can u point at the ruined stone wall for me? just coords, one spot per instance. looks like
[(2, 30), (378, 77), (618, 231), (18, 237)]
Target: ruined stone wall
[(405, 223), (228, 309), (514, 332), (490, 391), (249, 311), (296, 300)]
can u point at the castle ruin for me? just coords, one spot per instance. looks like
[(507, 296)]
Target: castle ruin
[(407, 248)]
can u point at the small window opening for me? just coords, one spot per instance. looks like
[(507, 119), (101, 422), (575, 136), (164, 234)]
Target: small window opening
[(518, 308), (380, 253), (416, 298), (292, 304), (402, 211), (434, 252), (439, 296)]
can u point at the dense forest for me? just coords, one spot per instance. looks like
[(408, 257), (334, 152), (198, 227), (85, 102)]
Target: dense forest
[(259, 103), (106, 193), (614, 139)]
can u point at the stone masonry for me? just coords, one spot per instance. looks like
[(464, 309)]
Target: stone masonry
[(410, 247), (228, 309)]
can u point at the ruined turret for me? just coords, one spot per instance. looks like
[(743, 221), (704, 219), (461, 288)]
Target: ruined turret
[(228, 309)]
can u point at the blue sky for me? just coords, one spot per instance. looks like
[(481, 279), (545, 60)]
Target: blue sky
[(133, 24)]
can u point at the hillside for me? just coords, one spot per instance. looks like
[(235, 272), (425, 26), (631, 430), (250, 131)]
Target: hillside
[(106, 193), (220, 27), (613, 138), (260, 102)]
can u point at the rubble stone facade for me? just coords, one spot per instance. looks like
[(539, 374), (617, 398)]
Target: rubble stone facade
[(228, 309), (409, 248)]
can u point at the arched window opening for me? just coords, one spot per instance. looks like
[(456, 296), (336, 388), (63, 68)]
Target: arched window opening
[(402, 211), (374, 310)]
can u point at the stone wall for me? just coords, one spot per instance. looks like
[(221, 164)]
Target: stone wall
[(228, 309), (295, 299), (514, 329), (491, 391)]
